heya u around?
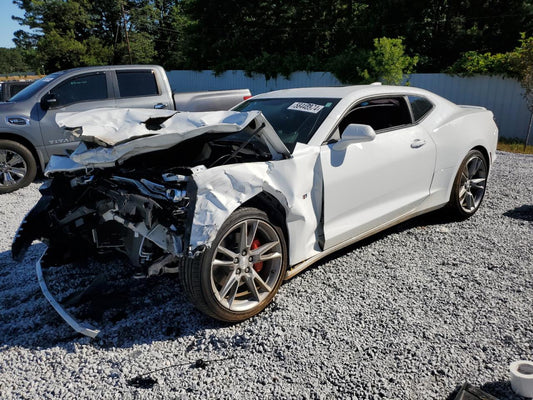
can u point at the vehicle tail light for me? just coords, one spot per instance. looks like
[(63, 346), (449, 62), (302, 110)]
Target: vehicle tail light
[(246, 97)]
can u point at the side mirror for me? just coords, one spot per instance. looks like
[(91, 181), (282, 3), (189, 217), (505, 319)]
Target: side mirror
[(355, 133), (48, 101)]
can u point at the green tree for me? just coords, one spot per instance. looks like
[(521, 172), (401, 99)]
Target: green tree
[(157, 32), (388, 62), (271, 37), (12, 60), (65, 34), (523, 64), (516, 64), (87, 32), (474, 63), (441, 30)]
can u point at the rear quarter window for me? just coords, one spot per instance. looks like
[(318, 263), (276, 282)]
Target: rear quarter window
[(137, 83), (420, 107)]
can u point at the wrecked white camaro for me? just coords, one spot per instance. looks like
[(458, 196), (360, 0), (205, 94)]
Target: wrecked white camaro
[(236, 201)]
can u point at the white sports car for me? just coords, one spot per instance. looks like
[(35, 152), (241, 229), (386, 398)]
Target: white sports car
[(237, 201)]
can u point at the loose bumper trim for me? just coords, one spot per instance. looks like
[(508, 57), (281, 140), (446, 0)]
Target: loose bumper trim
[(84, 329)]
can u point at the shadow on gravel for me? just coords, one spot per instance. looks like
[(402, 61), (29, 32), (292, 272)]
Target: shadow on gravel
[(524, 212), (128, 311)]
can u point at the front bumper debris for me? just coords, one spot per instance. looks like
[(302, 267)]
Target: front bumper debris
[(84, 329)]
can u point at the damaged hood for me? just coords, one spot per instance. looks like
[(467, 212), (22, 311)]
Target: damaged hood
[(111, 136)]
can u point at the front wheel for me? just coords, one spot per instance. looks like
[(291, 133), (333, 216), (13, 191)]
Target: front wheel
[(242, 269), (17, 166), (469, 185)]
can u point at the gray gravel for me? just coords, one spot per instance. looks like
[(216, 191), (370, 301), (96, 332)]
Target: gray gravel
[(409, 314)]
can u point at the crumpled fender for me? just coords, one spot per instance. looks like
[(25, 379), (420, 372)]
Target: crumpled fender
[(221, 190)]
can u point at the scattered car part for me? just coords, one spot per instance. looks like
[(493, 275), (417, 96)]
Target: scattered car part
[(84, 329)]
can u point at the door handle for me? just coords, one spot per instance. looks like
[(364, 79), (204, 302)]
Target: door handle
[(418, 143), (160, 106)]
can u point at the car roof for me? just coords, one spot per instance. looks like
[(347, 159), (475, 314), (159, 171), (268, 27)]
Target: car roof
[(108, 68), (343, 91)]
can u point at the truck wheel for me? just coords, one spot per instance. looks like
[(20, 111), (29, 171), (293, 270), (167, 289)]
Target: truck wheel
[(17, 166)]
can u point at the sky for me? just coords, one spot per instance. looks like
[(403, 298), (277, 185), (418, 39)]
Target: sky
[(7, 25)]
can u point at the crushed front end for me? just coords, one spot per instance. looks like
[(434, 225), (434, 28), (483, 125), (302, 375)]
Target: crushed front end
[(131, 188), (80, 216), (147, 218)]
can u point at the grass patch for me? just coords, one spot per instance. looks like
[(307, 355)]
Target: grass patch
[(514, 146)]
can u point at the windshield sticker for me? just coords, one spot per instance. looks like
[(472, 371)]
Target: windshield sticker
[(306, 107)]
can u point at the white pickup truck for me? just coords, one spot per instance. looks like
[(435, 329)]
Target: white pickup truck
[(29, 134)]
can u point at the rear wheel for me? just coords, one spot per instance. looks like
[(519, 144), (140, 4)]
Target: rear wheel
[(242, 270), (469, 185), (17, 166)]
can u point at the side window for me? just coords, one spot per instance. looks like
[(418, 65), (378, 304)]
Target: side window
[(420, 107), (380, 114), (81, 88), (137, 83)]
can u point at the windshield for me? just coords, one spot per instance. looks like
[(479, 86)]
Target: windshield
[(293, 119), (36, 86)]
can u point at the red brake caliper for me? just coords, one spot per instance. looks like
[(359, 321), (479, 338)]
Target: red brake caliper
[(258, 266)]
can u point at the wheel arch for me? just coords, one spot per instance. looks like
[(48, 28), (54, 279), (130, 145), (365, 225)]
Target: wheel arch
[(26, 143), (479, 148), (273, 208), (486, 154), (454, 206)]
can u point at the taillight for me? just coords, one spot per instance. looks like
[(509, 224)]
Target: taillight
[(246, 97)]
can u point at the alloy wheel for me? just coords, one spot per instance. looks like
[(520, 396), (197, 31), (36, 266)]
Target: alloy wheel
[(473, 183), (246, 265), (13, 168)]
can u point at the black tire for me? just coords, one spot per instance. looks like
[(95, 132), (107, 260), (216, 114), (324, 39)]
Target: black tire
[(469, 185), (17, 166), (223, 285)]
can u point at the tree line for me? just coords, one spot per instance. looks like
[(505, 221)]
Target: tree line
[(356, 40)]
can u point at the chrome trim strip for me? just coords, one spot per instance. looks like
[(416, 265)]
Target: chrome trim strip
[(86, 330)]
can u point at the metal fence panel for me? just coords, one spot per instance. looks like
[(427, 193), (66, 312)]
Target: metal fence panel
[(503, 96), (190, 81)]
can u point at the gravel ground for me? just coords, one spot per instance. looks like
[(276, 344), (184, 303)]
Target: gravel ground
[(409, 314)]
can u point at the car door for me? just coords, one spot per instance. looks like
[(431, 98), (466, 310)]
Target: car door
[(139, 88), (82, 92), (369, 184)]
